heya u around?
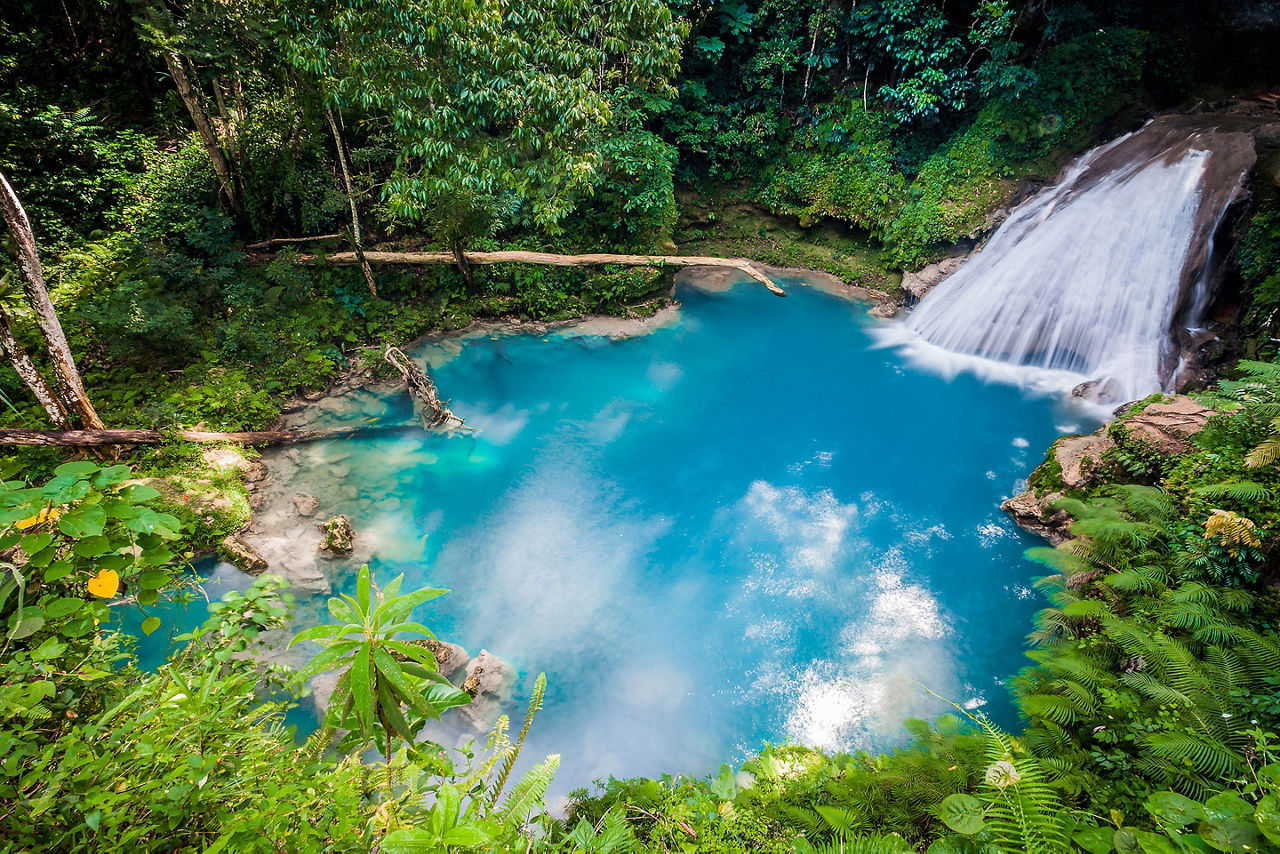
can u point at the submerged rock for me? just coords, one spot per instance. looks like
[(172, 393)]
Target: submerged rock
[(450, 658), (305, 504), (489, 681), (339, 536), (243, 555)]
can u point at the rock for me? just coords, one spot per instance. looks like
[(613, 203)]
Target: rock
[(306, 504), (339, 536), (922, 281), (450, 658), (489, 681), (1079, 457), (1167, 426), (243, 555), (322, 685), (1034, 515), (234, 459), (883, 310)]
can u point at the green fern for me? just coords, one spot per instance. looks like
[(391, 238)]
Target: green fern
[(527, 794), (513, 752)]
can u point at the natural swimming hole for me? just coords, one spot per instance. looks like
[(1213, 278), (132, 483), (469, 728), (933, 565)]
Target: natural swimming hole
[(747, 524)]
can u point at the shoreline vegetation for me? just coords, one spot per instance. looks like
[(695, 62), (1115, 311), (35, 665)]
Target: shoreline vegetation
[(154, 150)]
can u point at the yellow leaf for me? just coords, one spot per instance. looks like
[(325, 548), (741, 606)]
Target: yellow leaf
[(104, 584), (46, 515)]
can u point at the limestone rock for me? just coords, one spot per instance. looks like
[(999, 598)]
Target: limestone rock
[(243, 555), (1080, 456), (306, 504), (339, 536), (1034, 515), (1167, 426), (450, 658), (489, 681), (234, 459), (922, 281), (883, 310)]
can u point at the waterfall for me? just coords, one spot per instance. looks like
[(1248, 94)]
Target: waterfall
[(1082, 286)]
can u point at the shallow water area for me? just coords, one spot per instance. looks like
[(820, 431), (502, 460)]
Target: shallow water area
[(746, 524)]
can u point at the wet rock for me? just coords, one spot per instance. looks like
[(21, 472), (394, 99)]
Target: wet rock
[(1080, 457), (450, 658), (306, 504), (1167, 426), (233, 459), (883, 310), (919, 283), (489, 681), (1034, 514), (243, 555), (339, 536)]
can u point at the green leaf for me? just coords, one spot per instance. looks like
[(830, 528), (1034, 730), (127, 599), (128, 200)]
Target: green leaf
[(465, 835), (1096, 840), (1175, 809), (1234, 835), (33, 543), (153, 579), (26, 627), (1155, 844), (362, 589), (92, 546), (87, 520), (111, 475), (962, 813), (1267, 817), (139, 493), (411, 840), (77, 469), (362, 688), (1126, 842), (51, 648), (150, 624), (61, 607)]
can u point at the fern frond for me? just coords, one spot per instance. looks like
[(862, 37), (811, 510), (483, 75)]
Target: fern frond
[(528, 793), (509, 759)]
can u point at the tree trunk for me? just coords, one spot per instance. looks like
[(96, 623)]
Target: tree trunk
[(551, 259), (460, 261), (64, 366), (212, 145), (26, 369), (91, 438), (432, 411), (351, 197)]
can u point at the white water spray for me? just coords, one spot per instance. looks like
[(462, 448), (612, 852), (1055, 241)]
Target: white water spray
[(1083, 282)]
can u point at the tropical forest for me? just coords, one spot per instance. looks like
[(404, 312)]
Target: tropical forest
[(781, 426)]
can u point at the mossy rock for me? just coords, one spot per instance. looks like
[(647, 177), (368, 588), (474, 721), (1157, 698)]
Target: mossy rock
[(339, 536)]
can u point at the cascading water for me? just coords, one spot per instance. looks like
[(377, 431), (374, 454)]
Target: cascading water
[(1084, 282)]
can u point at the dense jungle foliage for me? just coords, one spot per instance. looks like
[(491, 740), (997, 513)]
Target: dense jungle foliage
[(159, 146)]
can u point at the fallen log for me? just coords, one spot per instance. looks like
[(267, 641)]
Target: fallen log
[(283, 241), (549, 259), (431, 410), (89, 438)]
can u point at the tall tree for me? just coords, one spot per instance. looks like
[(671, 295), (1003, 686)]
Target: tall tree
[(26, 369), (64, 366), (493, 103)]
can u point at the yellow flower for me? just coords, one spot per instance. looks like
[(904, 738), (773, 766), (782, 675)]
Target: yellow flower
[(105, 584), (48, 514)]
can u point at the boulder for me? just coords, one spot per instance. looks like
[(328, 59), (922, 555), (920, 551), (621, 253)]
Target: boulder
[(234, 459), (919, 283), (450, 658), (1168, 425), (1079, 457), (489, 681), (1033, 514), (306, 504), (339, 536), (243, 555), (883, 310)]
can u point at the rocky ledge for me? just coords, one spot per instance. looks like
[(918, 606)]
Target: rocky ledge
[(1074, 463)]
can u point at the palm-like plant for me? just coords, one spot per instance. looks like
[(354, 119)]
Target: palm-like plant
[(389, 688)]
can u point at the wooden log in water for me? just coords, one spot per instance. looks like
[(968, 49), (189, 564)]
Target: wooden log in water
[(90, 438), (551, 259)]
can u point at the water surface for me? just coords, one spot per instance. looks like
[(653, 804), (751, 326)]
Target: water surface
[(747, 525)]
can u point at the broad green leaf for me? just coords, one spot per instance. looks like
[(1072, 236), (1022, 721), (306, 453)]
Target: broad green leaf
[(962, 813), (362, 589), (341, 611), (150, 624), (51, 648), (138, 493), (111, 475), (465, 835), (1267, 817), (33, 543), (78, 469), (1234, 835), (1126, 841), (57, 609), (26, 627), (153, 579), (362, 688), (1226, 806), (314, 633), (411, 840), (1096, 840), (1175, 809), (87, 520), (1153, 843), (92, 546)]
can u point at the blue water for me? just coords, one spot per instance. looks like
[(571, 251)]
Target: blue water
[(746, 525)]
